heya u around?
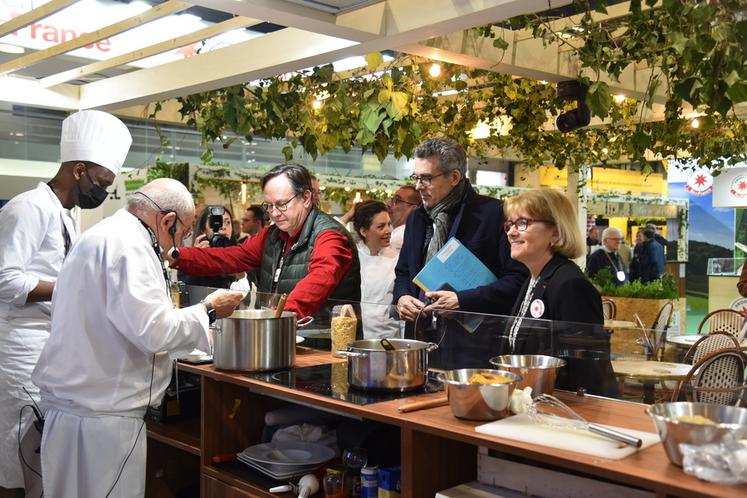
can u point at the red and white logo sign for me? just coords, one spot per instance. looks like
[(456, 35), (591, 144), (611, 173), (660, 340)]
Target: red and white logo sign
[(738, 187), (537, 308), (699, 182)]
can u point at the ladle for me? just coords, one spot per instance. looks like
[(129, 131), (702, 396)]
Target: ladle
[(280, 306)]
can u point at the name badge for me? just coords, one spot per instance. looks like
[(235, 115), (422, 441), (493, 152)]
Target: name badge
[(621, 276), (537, 308)]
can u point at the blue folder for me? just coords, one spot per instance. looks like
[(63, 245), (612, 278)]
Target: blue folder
[(454, 268)]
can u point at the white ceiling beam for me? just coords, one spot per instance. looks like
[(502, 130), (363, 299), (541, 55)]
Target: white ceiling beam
[(159, 48), (34, 15), (306, 18), (402, 22), (157, 12), (261, 57), (28, 92)]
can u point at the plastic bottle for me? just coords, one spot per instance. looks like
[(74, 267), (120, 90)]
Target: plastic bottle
[(370, 482)]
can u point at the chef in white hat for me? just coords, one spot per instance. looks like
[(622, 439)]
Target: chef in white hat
[(37, 232)]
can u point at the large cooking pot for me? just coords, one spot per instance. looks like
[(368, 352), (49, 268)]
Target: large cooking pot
[(372, 367), (256, 341)]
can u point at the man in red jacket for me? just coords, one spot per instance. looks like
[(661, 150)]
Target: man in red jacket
[(305, 254)]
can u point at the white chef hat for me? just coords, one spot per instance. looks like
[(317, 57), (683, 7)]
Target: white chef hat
[(97, 137)]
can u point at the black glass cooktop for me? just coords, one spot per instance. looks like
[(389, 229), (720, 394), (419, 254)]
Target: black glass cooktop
[(332, 380)]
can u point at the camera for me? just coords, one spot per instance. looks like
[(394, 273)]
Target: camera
[(215, 222)]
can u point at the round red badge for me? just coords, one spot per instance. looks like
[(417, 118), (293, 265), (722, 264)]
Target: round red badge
[(537, 308)]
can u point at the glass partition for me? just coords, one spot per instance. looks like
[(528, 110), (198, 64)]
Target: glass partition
[(600, 357)]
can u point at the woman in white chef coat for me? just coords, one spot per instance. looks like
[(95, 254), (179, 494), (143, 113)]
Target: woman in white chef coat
[(377, 261)]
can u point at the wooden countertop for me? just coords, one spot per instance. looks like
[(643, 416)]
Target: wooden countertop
[(648, 468)]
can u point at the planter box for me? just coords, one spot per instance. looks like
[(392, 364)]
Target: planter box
[(624, 340)]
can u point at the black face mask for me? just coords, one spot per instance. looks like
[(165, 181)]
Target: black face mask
[(93, 198)]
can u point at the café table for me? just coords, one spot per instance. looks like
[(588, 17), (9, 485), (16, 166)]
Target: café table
[(686, 341), (649, 372), (618, 324)]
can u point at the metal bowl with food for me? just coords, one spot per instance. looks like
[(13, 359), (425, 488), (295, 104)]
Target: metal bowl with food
[(537, 371), (479, 394), (695, 423)]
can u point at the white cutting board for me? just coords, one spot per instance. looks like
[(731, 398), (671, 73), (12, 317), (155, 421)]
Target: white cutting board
[(521, 428)]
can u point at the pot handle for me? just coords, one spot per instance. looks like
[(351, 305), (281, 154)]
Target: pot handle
[(432, 346), (349, 354), (304, 321)]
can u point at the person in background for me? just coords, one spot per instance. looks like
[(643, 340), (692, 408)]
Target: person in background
[(626, 253), (401, 204), (316, 191), (635, 261), (253, 221), (38, 231), (542, 228), (649, 264), (206, 237), (452, 208), (662, 242), (112, 313), (377, 260), (592, 241), (608, 256), (240, 236), (305, 253)]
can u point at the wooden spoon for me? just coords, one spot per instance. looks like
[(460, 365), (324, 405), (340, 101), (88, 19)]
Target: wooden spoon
[(281, 305)]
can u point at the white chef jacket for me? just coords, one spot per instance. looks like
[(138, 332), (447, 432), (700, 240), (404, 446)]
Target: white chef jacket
[(377, 284), (398, 238), (32, 248), (113, 326)]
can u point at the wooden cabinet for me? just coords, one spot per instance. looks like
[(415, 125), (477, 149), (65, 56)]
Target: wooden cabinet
[(437, 450)]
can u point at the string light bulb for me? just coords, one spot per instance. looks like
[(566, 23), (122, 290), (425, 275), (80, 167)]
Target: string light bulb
[(435, 70), (619, 98), (695, 123), (316, 105)]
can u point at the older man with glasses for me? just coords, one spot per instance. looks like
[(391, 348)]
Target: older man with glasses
[(401, 204), (608, 257), (451, 208), (305, 254)]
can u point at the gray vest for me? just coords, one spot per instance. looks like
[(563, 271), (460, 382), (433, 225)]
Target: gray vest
[(296, 262)]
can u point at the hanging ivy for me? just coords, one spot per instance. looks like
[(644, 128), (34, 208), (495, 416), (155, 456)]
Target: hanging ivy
[(698, 49), (697, 53)]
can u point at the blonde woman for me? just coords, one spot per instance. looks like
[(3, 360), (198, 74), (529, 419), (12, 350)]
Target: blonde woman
[(543, 232)]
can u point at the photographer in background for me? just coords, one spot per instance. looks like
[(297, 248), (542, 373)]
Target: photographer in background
[(214, 229)]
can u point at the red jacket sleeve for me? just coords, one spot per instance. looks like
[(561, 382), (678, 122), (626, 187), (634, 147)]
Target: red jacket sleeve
[(331, 260), (222, 260)]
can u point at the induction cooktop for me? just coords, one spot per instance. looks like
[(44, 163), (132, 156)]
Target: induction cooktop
[(331, 380)]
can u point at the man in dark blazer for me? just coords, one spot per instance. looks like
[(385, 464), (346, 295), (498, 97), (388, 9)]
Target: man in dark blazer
[(452, 208)]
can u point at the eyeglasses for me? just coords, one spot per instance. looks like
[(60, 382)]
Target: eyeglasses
[(425, 180), (280, 206), (522, 223), (395, 199)]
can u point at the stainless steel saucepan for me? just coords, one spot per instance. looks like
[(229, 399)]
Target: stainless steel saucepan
[(256, 341), (371, 366)]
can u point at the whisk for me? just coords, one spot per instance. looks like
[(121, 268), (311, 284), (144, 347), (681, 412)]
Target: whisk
[(540, 413)]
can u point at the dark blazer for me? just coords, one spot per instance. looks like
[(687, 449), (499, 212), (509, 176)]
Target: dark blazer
[(575, 331), (648, 261), (478, 225)]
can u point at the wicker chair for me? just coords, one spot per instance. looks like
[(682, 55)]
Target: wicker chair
[(707, 344), (722, 320), (718, 378), (609, 309), (661, 325)]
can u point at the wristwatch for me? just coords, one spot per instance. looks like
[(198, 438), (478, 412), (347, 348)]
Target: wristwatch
[(210, 310)]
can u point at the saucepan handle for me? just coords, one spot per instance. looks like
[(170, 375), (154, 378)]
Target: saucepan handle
[(349, 354), (432, 346)]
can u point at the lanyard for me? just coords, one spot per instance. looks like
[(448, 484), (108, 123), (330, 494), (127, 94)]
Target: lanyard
[(522, 311), (610, 259)]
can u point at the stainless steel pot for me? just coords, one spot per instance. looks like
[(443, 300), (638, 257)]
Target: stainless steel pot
[(255, 341), (372, 367)]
